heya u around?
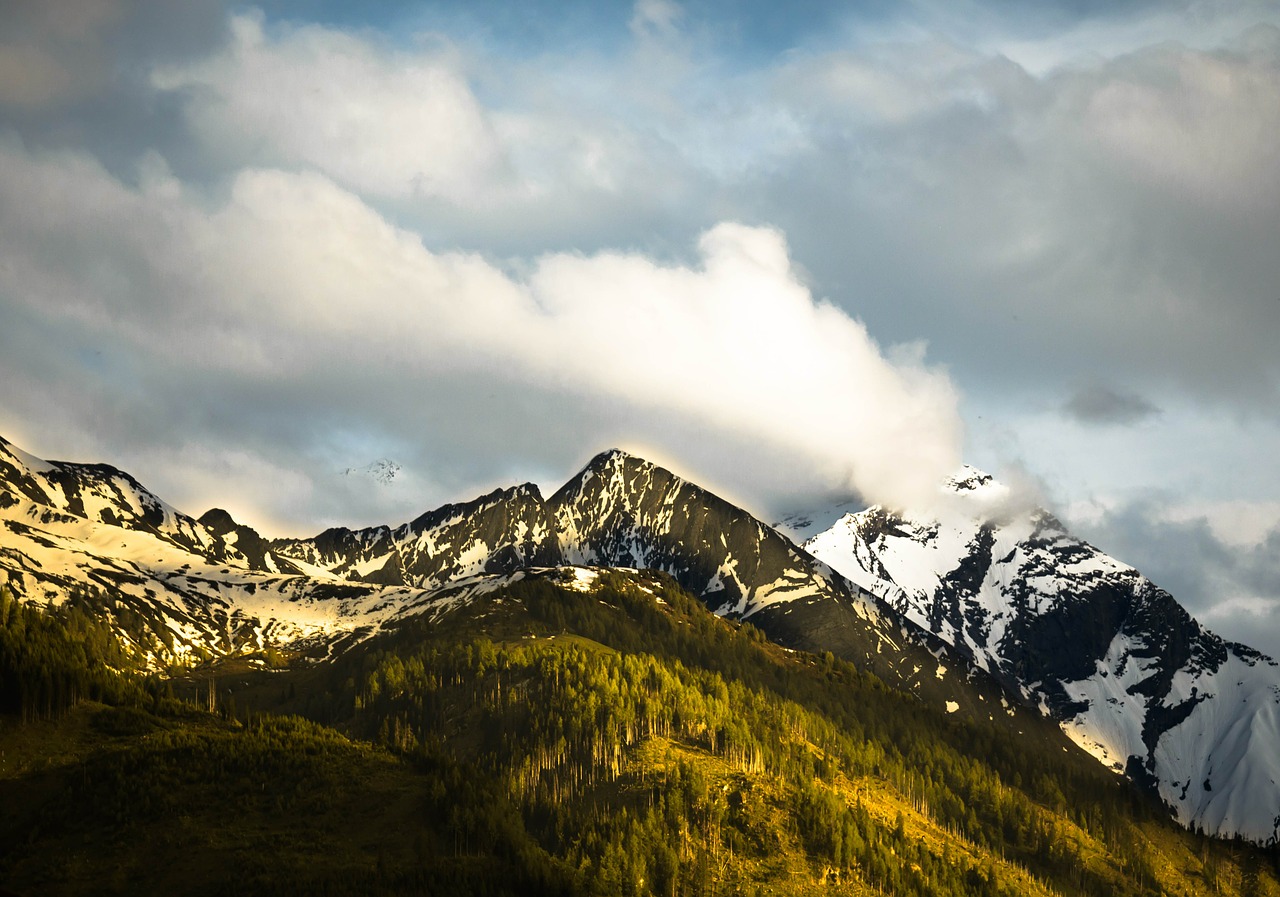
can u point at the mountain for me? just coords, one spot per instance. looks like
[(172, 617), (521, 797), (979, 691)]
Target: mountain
[(179, 589), (977, 619), (501, 532), (1130, 676), (97, 493), (574, 732), (214, 586), (622, 511)]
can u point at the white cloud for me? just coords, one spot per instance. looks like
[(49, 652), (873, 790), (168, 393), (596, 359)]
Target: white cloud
[(740, 343), (1200, 25), (1196, 124), (388, 123), (654, 18), (298, 299)]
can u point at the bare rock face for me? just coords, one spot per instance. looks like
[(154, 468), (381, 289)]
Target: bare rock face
[(622, 511), (1113, 658)]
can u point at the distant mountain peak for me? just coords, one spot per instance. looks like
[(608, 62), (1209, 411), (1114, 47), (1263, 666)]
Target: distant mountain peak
[(615, 457), (383, 471), (968, 479), (618, 467), (30, 462), (218, 520)]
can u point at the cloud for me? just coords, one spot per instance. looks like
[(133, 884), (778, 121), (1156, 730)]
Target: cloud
[(53, 52), (54, 57), (1076, 199), (1229, 585), (291, 317), (384, 122), (564, 150), (1107, 219), (1196, 124), (654, 18), (1102, 406)]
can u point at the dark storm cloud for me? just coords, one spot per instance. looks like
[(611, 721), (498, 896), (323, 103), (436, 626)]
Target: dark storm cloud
[(76, 74), (1103, 406), (1233, 587)]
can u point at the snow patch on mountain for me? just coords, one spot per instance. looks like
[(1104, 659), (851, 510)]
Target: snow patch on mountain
[(382, 471), (1127, 673), (801, 525)]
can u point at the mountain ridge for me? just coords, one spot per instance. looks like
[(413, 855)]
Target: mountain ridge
[(618, 511), (929, 627), (1128, 673)]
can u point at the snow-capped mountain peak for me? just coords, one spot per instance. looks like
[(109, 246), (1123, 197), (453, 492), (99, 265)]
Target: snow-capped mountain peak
[(1124, 669), (968, 479), (382, 471)]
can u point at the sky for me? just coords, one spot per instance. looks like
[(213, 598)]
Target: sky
[(799, 253)]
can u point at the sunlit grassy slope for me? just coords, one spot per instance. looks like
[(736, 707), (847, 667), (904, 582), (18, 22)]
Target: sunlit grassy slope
[(556, 737)]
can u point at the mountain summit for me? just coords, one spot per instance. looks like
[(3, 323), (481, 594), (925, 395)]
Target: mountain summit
[(1128, 673)]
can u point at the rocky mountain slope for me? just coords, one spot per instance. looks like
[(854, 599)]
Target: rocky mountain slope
[(215, 586), (1124, 669), (576, 732), (978, 618), (177, 587)]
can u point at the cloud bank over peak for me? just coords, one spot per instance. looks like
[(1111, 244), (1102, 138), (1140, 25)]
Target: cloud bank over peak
[(295, 291), (487, 240)]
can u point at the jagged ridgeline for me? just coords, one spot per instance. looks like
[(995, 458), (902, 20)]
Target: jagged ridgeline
[(215, 586), (632, 686), (573, 732)]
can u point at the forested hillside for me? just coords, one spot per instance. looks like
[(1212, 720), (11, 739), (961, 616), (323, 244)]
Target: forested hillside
[(174, 592), (577, 732)]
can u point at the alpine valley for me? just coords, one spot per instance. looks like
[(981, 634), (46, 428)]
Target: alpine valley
[(628, 687)]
